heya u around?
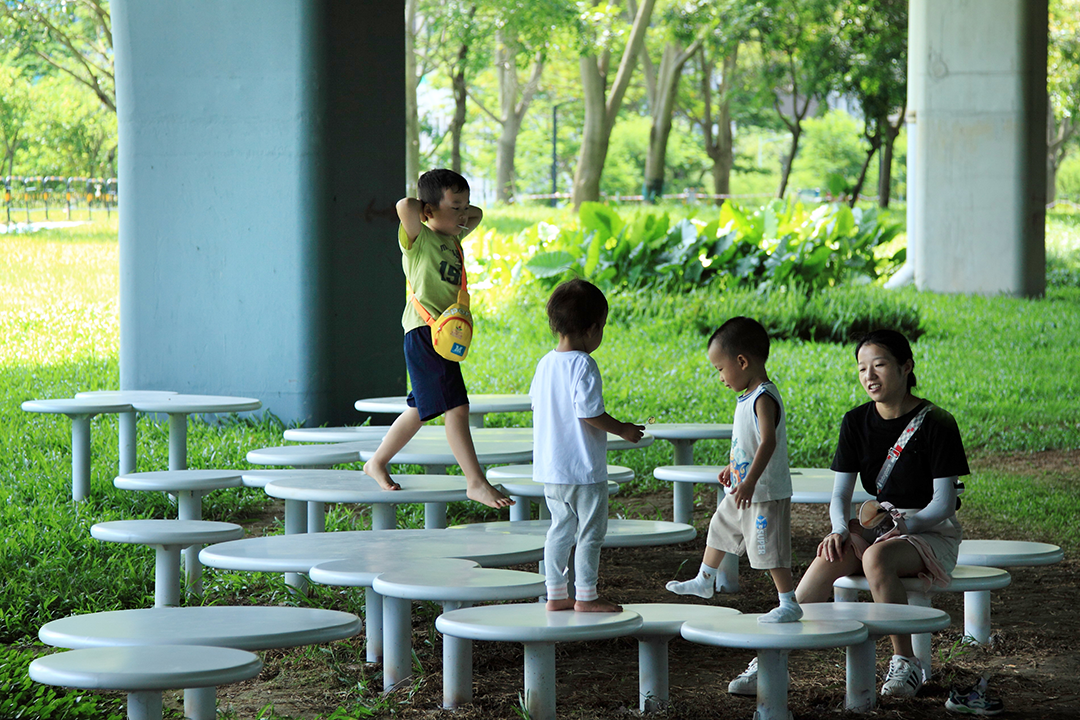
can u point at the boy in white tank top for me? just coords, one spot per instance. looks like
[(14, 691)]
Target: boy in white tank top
[(754, 518)]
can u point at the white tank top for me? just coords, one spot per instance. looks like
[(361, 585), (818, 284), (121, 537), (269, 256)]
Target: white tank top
[(775, 481)]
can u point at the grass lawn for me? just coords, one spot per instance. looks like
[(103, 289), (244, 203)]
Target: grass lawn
[(1006, 368)]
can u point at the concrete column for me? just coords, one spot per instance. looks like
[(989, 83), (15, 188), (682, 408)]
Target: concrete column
[(979, 185), (261, 153)]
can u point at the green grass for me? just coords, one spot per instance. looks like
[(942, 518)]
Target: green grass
[(1006, 368)]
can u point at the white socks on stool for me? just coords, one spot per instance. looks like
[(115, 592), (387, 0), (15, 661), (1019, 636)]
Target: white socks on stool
[(708, 581), (789, 610)]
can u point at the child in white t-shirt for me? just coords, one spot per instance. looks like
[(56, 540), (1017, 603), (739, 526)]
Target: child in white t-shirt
[(755, 515), (570, 430)]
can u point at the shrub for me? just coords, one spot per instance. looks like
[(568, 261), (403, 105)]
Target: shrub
[(779, 245), (21, 697)]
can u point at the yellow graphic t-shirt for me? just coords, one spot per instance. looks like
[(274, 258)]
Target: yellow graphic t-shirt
[(432, 265)]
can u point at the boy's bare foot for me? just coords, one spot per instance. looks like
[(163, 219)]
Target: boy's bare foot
[(597, 605), (484, 493), (380, 475), (564, 604)]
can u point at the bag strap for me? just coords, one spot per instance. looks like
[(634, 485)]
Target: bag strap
[(900, 444), (463, 292)]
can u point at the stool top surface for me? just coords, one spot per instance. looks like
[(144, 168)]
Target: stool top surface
[(445, 583), (125, 395), (360, 488), (361, 572), (812, 477), (478, 404), (689, 431), (965, 578), (323, 454), (435, 450), (247, 627), (881, 618), (77, 406), (197, 404), (818, 488), (337, 434), (1008, 553), (179, 480), (531, 622), (705, 474), (301, 552), (744, 631), (531, 488), (615, 473), (620, 532), (166, 532), (668, 618), (158, 667)]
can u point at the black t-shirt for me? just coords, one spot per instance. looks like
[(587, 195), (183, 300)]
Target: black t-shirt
[(934, 451)]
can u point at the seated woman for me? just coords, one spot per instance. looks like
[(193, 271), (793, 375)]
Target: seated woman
[(906, 452)]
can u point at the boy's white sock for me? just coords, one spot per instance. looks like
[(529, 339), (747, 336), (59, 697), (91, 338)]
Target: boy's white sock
[(789, 610), (702, 585)]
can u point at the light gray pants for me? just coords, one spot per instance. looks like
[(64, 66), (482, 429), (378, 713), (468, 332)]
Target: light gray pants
[(578, 517)]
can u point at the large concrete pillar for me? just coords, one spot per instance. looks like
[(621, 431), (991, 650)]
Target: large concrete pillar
[(261, 153), (979, 187)]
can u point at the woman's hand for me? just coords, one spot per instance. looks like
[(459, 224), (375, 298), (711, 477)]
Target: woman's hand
[(832, 547)]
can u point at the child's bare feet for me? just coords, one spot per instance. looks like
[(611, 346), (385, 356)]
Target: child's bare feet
[(597, 605), (484, 493), (564, 604), (381, 476)]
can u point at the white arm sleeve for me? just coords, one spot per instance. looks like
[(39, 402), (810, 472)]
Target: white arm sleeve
[(840, 505), (941, 506)]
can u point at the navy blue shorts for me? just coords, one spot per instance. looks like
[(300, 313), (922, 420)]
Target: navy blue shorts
[(437, 385)]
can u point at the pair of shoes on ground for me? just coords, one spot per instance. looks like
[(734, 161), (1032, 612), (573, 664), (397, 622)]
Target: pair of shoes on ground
[(974, 701), (904, 679)]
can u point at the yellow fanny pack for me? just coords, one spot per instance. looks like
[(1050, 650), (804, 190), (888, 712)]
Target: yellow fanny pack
[(452, 331)]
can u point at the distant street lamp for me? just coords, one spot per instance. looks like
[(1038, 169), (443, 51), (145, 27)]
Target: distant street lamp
[(555, 149)]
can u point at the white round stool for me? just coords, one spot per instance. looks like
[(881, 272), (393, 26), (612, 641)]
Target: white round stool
[(144, 672), (167, 537), (517, 481)]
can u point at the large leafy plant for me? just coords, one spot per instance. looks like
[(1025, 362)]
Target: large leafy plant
[(782, 244)]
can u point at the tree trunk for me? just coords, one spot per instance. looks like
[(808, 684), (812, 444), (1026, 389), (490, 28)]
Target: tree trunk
[(663, 109), (796, 132), (719, 148), (412, 116), (600, 112), (511, 114), (885, 176), (457, 124), (857, 188)]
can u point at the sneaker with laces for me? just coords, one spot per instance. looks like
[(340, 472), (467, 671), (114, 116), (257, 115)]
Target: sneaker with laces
[(904, 679), (974, 701), (746, 683)]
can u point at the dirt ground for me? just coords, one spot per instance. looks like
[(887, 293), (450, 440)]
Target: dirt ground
[(1031, 662)]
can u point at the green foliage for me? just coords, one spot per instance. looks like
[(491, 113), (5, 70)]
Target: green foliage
[(779, 245), (21, 697)]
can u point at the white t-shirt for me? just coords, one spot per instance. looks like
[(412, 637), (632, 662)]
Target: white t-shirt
[(775, 480), (566, 450)]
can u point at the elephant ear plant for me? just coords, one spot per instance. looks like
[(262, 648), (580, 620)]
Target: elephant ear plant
[(779, 245)]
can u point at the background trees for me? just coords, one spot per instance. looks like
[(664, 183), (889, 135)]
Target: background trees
[(607, 97)]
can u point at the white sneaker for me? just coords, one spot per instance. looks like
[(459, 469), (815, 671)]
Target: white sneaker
[(904, 678), (745, 684), (700, 586)]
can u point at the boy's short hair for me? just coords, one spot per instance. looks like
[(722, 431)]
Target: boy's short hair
[(742, 336), (575, 306), (434, 183)]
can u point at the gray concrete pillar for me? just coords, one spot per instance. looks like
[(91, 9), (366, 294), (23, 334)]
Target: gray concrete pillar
[(980, 150), (261, 153)]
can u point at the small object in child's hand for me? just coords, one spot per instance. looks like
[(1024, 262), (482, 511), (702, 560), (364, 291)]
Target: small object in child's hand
[(649, 421)]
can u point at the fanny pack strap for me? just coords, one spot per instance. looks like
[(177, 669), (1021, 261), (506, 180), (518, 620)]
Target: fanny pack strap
[(899, 445), (462, 296)]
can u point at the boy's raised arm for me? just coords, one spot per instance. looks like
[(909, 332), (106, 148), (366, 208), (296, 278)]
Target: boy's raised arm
[(410, 211), (473, 216)]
